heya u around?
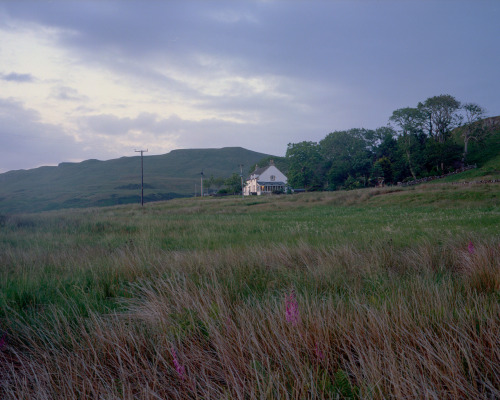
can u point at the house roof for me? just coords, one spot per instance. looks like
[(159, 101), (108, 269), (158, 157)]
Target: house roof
[(259, 171)]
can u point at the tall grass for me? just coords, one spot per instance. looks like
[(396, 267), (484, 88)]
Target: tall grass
[(95, 305)]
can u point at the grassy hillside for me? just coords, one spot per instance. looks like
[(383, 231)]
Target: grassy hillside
[(485, 154), (95, 183), (378, 293)]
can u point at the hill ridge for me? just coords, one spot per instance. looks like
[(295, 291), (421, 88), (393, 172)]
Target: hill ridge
[(94, 182)]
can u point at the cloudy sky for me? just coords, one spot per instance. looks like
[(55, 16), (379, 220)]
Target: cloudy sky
[(98, 79)]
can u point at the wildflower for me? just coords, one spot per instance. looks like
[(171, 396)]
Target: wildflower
[(292, 309), (178, 367), (319, 354), (471, 248)]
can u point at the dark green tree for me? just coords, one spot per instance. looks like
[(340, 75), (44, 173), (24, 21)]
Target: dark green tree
[(348, 154), (382, 168), (233, 184), (408, 123), (215, 183), (472, 129), (441, 157), (442, 115), (305, 164), (385, 143)]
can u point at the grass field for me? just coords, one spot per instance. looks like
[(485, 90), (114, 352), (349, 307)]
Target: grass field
[(369, 294)]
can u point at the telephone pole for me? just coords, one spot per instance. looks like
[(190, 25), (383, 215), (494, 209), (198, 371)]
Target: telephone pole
[(241, 177), (142, 175), (201, 183)]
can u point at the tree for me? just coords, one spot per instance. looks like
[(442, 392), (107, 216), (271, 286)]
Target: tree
[(472, 128), (409, 124), (215, 183), (382, 168), (439, 157), (385, 144), (305, 165), (348, 154), (442, 115), (233, 183)]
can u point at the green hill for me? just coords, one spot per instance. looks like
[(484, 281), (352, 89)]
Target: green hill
[(485, 154), (98, 183)]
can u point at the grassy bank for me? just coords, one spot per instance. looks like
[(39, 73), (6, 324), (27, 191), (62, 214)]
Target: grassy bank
[(366, 294)]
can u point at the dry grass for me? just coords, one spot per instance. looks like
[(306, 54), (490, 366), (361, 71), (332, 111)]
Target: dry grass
[(417, 322), (392, 303)]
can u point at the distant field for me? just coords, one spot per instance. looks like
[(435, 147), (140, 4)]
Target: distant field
[(377, 293), (94, 183)]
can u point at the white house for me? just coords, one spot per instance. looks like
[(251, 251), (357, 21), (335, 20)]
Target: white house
[(265, 181)]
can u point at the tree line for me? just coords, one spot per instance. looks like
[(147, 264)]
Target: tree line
[(417, 142)]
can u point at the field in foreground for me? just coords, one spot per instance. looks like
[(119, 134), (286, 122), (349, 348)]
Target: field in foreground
[(380, 293)]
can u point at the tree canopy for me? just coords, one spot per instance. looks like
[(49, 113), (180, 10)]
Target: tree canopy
[(417, 142)]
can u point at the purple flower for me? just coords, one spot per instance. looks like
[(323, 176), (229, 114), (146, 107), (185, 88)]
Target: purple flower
[(178, 367), (292, 309), (471, 248)]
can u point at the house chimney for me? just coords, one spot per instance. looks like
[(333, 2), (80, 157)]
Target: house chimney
[(271, 162)]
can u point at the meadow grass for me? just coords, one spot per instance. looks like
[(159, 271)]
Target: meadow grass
[(396, 295)]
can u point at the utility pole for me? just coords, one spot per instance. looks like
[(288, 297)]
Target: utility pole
[(201, 183), (241, 177), (142, 175)]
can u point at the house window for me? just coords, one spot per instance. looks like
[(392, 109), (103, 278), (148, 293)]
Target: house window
[(273, 178)]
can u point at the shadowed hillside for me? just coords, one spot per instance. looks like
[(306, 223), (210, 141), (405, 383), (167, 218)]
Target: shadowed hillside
[(100, 183)]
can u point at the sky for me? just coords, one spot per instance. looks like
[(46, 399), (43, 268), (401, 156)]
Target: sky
[(101, 79)]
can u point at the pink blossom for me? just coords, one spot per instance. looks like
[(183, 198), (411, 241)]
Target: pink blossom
[(292, 309), (471, 248), (178, 367)]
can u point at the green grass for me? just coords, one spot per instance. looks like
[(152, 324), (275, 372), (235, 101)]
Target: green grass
[(93, 300), (363, 219)]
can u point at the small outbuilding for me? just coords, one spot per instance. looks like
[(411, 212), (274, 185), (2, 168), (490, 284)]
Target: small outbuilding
[(265, 180)]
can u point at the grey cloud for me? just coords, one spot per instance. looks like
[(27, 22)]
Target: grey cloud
[(111, 125), (378, 49), (152, 125), (15, 77), (27, 142), (290, 36), (67, 93), (147, 128)]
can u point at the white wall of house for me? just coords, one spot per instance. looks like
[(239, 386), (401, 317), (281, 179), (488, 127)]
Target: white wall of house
[(251, 187)]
